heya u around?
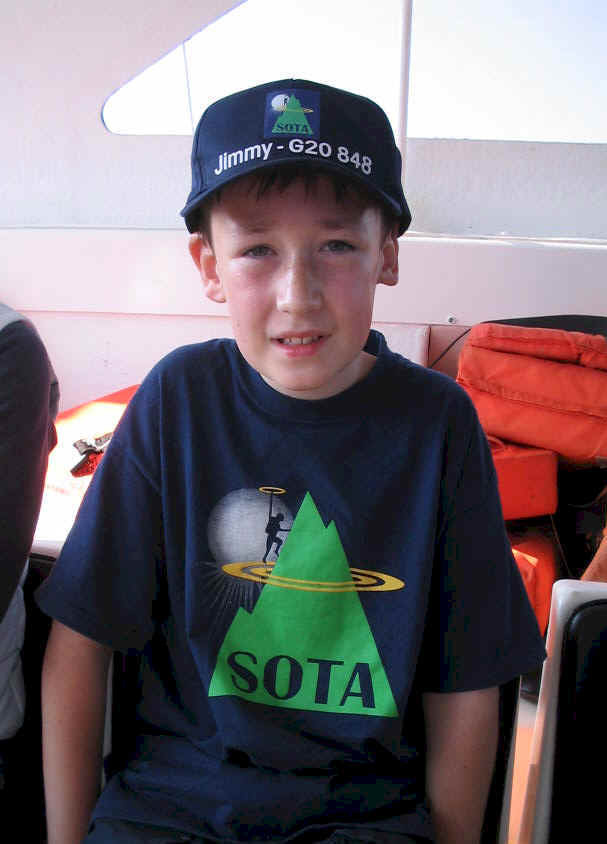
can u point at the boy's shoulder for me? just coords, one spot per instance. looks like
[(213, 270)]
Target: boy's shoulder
[(195, 370), (196, 359), (415, 383)]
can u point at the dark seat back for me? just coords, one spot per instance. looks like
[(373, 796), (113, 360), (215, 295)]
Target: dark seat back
[(22, 807), (587, 323), (578, 785), (565, 782)]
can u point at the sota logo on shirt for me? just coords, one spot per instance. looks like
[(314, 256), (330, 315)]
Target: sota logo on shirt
[(307, 643)]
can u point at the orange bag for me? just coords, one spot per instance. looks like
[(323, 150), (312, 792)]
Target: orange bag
[(539, 386), (549, 343), (535, 554), (526, 478)]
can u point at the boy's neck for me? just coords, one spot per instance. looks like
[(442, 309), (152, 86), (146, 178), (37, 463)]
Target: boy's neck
[(363, 366)]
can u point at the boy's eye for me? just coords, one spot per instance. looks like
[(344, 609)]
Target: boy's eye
[(257, 251), (339, 246)]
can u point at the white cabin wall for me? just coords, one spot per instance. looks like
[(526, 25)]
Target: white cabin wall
[(512, 188), (94, 251), (108, 351), (60, 166)]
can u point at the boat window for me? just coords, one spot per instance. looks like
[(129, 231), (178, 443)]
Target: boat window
[(505, 127), (502, 107), (515, 71), (345, 43)]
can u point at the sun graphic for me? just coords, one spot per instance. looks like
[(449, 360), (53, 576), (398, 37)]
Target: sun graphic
[(236, 526), (279, 102)]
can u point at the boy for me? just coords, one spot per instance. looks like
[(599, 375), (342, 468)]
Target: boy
[(333, 687)]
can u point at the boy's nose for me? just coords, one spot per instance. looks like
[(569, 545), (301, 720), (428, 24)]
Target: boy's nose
[(299, 289)]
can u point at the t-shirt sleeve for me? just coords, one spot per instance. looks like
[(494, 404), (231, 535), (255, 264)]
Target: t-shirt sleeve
[(25, 438), (106, 581), (480, 630)]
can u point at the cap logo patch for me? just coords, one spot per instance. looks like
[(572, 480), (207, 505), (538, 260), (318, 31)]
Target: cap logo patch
[(292, 112)]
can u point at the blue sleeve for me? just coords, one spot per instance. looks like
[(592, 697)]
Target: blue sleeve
[(106, 582), (26, 437), (481, 630)]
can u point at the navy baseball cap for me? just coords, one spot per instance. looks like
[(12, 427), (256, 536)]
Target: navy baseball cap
[(296, 121)]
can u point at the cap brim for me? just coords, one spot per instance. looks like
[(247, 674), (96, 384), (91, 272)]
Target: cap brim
[(403, 215)]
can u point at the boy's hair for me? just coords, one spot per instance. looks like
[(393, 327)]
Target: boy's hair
[(296, 122), (281, 177)]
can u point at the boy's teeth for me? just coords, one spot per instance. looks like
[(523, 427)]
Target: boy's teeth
[(298, 341)]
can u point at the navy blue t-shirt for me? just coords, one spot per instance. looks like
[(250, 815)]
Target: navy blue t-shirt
[(295, 574)]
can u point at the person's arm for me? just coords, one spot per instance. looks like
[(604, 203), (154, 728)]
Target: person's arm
[(25, 383), (74, 684), (597, 568), (461, 738)]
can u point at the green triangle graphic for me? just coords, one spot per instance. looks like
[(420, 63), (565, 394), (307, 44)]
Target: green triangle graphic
[(302, 647), (292, 121)]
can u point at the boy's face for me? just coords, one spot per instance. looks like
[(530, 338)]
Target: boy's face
[(298, 270)]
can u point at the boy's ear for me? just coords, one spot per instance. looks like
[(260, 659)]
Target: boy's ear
[(204, 258), (389, 270)]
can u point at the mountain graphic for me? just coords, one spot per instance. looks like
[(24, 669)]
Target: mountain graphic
[(302, 647), (292, 120)]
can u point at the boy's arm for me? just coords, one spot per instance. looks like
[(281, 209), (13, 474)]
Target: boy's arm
[(461, 737), (74, 683)]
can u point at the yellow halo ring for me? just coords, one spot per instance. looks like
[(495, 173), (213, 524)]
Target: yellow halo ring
[(365, 580)]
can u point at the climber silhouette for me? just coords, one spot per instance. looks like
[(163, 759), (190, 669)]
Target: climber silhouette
[(272, 529)]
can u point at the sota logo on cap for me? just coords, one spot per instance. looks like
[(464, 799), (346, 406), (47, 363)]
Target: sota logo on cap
[(294, 112)]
